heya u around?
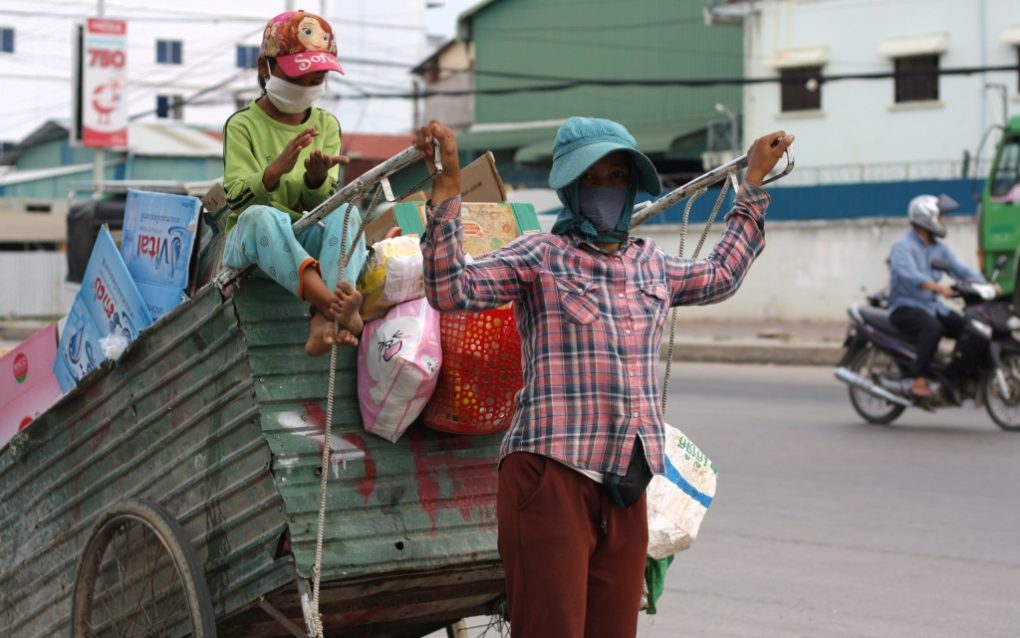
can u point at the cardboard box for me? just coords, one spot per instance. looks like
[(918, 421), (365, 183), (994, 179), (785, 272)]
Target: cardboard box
[(157, 246), (487, 226), (479, 182), (409, 216), (28, 386), (108, 302)]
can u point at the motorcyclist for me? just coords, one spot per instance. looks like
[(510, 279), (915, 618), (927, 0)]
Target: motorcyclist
[(914, 287)]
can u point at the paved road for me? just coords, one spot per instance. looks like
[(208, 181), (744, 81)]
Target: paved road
[(824, 526)]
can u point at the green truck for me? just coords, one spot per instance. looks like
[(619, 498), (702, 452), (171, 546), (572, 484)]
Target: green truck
[(999, 212)]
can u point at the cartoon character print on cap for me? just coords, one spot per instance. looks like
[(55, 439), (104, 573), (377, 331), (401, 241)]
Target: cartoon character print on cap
[(297, 32)]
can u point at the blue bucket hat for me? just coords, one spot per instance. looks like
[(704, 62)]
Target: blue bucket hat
[(583, 141)]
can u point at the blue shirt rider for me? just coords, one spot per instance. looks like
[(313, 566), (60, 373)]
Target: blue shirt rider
[(914, 287)]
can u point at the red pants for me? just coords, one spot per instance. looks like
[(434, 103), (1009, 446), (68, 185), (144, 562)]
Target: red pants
[(574, 561)]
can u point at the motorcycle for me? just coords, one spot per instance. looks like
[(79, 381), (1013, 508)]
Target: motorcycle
[(984, 365)]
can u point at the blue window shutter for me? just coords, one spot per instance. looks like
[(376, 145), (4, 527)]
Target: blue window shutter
[(161, 51), (177, 52), (162, 107), (240, 57), (7, 44)]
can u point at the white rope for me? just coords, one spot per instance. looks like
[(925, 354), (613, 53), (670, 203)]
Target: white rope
[(327, 447), (346, 252), (680, 253)]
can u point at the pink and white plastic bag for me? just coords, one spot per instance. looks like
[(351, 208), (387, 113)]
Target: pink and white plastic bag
[(398, 364)]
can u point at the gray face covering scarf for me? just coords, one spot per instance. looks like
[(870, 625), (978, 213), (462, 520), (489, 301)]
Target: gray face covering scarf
[(603, 205), (570, 218)]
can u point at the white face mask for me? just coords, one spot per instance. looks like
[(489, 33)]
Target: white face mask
[(293, 98)]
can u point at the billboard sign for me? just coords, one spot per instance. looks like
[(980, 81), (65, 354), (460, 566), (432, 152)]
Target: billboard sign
[(101, 100)]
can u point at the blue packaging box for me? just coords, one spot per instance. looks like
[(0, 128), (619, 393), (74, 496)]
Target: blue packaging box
[(108, 303), (157, 243)]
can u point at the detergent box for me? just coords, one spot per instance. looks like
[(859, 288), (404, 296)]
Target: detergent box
[(108, 303), (157, 245), (487, 226), (28, 386)]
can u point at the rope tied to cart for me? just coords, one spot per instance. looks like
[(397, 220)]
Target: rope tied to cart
[(346, 252)]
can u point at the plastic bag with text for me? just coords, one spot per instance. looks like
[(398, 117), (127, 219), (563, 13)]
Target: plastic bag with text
[(679, 499), (399, 357)]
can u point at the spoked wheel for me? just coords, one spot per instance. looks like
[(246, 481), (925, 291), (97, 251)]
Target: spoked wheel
[(872, 365), (140, 578), (1005, 409)]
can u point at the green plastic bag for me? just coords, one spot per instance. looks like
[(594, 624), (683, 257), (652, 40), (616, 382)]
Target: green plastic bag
[(655, 580)]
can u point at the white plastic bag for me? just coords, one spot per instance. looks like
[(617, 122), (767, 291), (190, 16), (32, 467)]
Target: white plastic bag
[(398, 364), (679, 499)]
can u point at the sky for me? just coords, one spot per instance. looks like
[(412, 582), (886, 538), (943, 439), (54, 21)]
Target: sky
[(443, 20)]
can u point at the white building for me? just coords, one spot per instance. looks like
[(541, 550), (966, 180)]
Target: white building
[(191, 60), (883, 129)]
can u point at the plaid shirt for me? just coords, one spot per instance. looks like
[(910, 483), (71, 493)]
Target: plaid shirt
[(591, 325)]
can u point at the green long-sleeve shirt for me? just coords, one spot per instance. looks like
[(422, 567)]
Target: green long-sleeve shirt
[(252, 140)]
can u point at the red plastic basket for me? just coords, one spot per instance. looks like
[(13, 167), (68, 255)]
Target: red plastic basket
[(481, 373)]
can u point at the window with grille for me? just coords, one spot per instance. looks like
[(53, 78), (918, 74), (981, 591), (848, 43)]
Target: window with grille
[(247, 56), (169, 51), (170, 107), (801, 88), (917, 78)]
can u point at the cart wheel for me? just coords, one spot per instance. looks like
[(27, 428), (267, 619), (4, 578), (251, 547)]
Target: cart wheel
[(494, 626), (139, 576)]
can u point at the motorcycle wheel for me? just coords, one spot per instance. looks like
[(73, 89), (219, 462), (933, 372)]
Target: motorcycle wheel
[(871, 364), (1005, 411)]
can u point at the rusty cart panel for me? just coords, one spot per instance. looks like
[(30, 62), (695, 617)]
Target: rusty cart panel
[(216, 414)]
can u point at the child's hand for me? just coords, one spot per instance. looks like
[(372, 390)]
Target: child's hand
[(288, 159), (317, 167)]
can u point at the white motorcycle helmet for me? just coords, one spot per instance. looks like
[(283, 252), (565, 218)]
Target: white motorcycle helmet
[(924, 211)]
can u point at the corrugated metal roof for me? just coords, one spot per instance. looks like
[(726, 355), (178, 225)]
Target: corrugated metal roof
[(30, 175), (173, 140), (367, 146)]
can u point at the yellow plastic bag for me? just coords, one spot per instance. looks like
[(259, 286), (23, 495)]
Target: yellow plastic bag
[(392, 275)]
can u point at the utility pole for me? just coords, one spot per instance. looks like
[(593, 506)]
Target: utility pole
[(98, 154)]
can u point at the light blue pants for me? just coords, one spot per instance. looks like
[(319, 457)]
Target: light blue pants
[(264, 237)]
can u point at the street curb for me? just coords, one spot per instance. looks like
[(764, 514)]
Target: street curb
[(756, 351)]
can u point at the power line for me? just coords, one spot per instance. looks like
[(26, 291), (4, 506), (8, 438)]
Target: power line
[(195, 16), (693, 82)]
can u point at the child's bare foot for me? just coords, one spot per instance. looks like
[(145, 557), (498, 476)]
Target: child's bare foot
[(347, 307), (321, 337), (317, 293)]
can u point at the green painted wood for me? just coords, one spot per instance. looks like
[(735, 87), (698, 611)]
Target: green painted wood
[(425, 502)]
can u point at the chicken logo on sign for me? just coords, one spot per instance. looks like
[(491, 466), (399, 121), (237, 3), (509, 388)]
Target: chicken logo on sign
[(105, 98)]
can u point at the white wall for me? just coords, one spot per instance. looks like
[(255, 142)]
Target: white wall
[(39, 71), (33, 284), (809, 270), (859, 123)]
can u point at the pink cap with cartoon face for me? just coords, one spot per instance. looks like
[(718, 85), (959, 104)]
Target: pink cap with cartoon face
[(300, 43)]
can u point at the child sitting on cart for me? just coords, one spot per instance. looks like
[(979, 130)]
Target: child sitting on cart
[(282, 157)]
